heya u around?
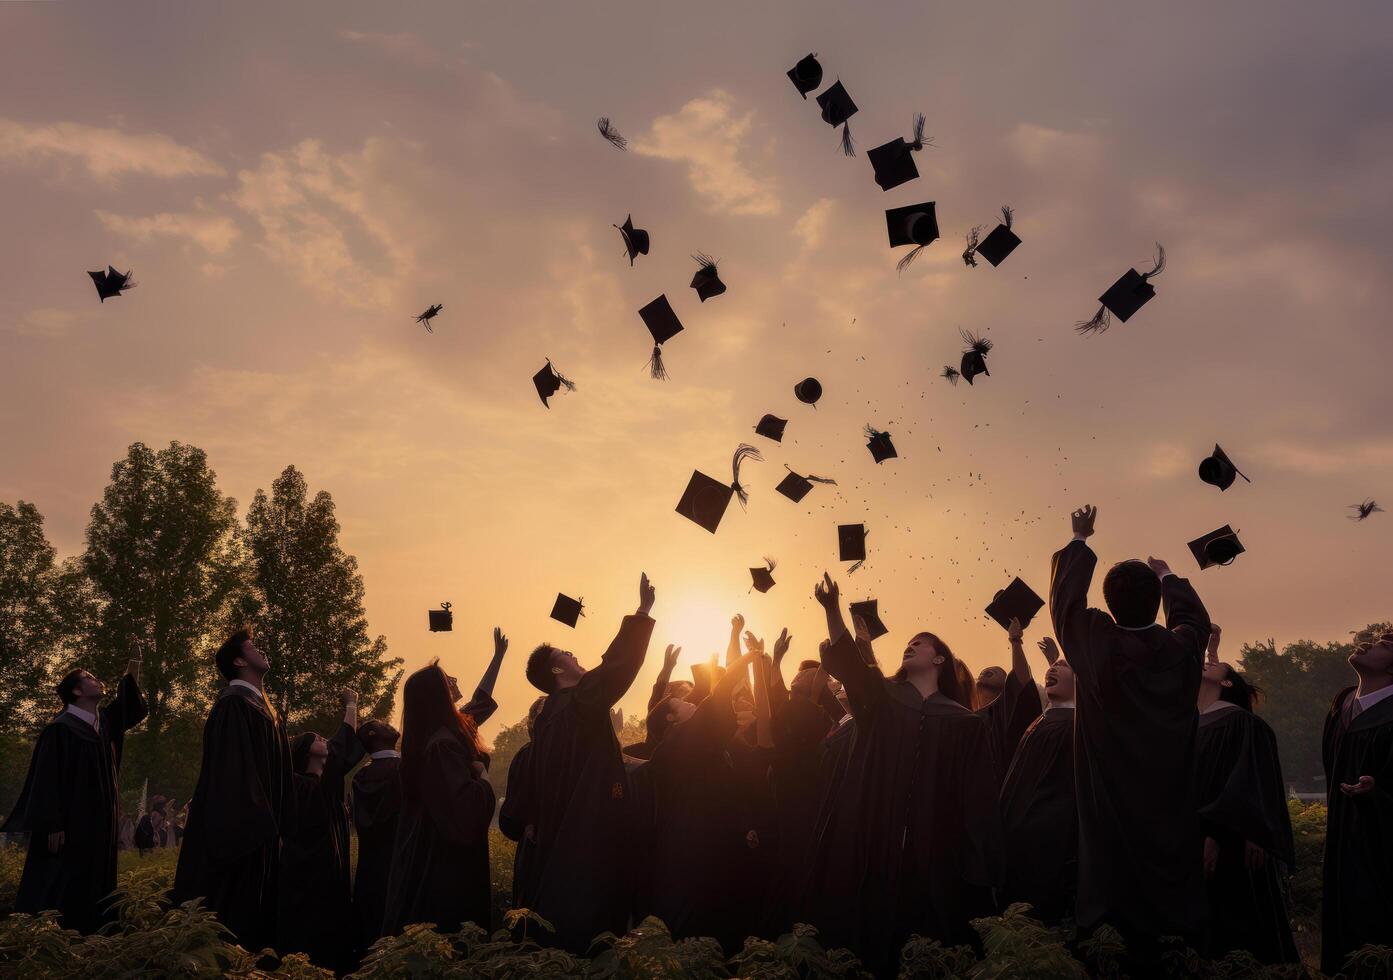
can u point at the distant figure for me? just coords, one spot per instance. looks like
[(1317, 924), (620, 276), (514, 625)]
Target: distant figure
[(241, 805), (125, 836), (1357, 901), (1134, 742), (68, 804), (1009, 702), (517, 817), (376, 807), (150, 832)]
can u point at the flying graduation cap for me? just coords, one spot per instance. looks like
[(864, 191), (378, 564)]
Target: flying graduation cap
[(851, 544), (996, 246), (549, 381), (1219, 470), (705, 500), (763, 578), (837, 108), (567, 610), (706, 282), (608, 131), (1016, 601), (868, 611), (796, 486), (1219, 547), (441, 620), (111, 283), (1126, 296), (808, 391), (1363, 511), (879, 444), (914, 224), (806, 76), (771, 427), (663, 324), (893, 162), (635, 239), (975, 357), (431, 313)]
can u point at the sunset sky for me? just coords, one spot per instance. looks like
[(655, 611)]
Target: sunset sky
[(293, 183)]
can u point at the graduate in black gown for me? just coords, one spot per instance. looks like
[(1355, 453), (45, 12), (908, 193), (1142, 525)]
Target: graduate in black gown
[(316, 895), (440, 867), (1009, 701), (579, 787), (1357, 900), (516, 817), (68, 805), (241, 805), (1247, 846), (1134, 741), (1039, 814), (914, 843), (376, 807)]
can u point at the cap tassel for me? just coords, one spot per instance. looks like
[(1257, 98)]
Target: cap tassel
[(1100, 322), (980, 346), (918, 143), (970, 253), (656, 364), (1007, 215), (1159, 265), (871, 432), (951, 373), (810, 478), (847, 141), (770, 562), (903, 264), (856, 567), (744, 452), (561, 379)]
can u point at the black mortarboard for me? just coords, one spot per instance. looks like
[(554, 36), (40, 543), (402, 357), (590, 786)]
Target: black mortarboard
[(706, 281), (771, 427), (893, 162), (837, 108), (609, 132), (869, 613), (763, 576), (808, 391), (663, 324), (851, 542), (806, 76), (705, 500), (111, 283), (441, 620), (1016, 601), (974, 360), (995, 247), (549, 381), (879, 444), (1126, 296), (430, 314), (635, 239), (1219, 547), (914, 224), (567, 610), (1219, 470), (795, 486)]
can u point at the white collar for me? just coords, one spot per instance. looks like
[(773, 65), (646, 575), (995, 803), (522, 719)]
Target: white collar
[(386, 754), (88, 716), (1217, 706), (1365, 703), (248, 685), (1059, 704), (844, 719)]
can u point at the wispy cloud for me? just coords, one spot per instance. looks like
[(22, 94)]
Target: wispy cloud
[(45, 322), (402, 46), (105, 153), (214, 233)]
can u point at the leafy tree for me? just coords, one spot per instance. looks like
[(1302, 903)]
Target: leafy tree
[(308, 611), (26, 615)]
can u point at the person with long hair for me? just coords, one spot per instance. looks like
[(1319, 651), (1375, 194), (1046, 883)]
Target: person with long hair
[(914, 844), (440, 863), (1247, 846)]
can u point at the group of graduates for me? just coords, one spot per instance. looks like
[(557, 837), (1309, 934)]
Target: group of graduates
[(1144, 793)]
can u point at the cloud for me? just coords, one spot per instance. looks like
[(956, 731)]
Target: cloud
[(403, 46), (46, 322), (1165, 461), (214, 233), (105, 153), (708, 135), (1327, 457), (811, 227)]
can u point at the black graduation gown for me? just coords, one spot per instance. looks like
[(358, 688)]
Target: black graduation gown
[(1357, 900), (1134, 750), (514, 817), (914, 841), (800, 726), (440, 865), (1040, 818), (315, 904), (1010, 714), (72, 787), (580, 790), (240, 809), (376, 807), (827, 873), (1241, 797)]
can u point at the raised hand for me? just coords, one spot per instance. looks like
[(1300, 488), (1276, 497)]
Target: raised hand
[(347, 696), (1014, 630), (781, 646), (670, 656), (646, 595), (1365, 785), (737, 623), (1212, 651), (133, 665), (500, 642), (827, 592), (616, 720), (1048, 648), (1082, 520), (754, 646), (1159, 566)]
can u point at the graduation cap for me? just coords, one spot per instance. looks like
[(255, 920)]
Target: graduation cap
[(795, 486), (1219, 470), (879, 444), (549, 381), (111, 283), (441, 620), (893, 162), (914, 224), (1126, 296), (806, 76), (705, 500), (1364, 510), (431, 313), (851, 544), (1016, 601), (608, 131), (663, 324), (837, 108), (996, 246), (567, 610), (808, 391), (869, 613), (951, 374), (706, 282), (762, 576), (635, 239), (1219, 547), (771, 427), (975, 357)]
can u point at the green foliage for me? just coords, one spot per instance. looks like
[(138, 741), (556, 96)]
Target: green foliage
[(648, 951), (1308, 832), (1369, 963), (795, 955), (418, 952), (26, 615), (929, 959), (506, 743), (1104, 953), (1017, 947)]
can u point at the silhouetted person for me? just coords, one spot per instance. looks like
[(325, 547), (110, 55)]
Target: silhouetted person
[(1134, 741), (68, 805), (579, 787), (440, 866), (481, 705), (1357, 900), (152, 830), (517, 816), (1009, 702), (376, 808), (239, 810)]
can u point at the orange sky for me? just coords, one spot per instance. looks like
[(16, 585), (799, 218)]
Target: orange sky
[(292, 184)]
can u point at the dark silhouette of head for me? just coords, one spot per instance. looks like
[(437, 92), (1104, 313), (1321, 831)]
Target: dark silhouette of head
[(377, 735), (1133, 593), (306, 748), (239, 647), (667, 713), (1247, 696), (77, 684), (428, 710), (551, 669)]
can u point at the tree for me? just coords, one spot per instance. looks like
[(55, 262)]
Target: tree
[(26, 576), (309, 614)]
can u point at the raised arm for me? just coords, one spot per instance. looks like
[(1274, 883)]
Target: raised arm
[(1185, 614), (1070, 576), (608, 682), (345, 748), (829, 596), (482, 705), (763, 666), (664, 676), (128, 708), (1020, 667), (864, 685)]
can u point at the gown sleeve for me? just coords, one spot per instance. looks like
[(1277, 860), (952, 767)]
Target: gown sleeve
[(865, 687), (600, 688), (1071, 574), (127, 709), (1185, 614), (43, 806)]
